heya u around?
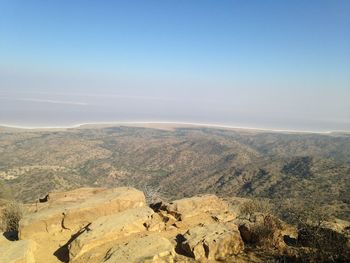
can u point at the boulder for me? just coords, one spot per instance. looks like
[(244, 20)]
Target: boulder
[(152, 248), (189, 207), (17, 252), (110, 228), (216, 241), (70, 211), (53, 224)]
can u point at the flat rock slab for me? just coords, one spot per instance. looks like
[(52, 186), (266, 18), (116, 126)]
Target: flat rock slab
[(17, 251), (70, 211), (109, 228), (215, 241), (152, 248), (189, 207), (3, 240)]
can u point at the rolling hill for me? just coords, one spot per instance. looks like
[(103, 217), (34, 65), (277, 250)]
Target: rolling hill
[(182, 161)]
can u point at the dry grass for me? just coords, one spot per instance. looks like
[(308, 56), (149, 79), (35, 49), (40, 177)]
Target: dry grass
[(249, 208), (10, 217), (152, 194)]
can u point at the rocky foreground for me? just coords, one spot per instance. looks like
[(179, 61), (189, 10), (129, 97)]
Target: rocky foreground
[(116, 225)]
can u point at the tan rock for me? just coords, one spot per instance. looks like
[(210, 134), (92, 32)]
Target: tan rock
[(169, 219), (224, 217), (57, 220), (155, 223), (3, 240), (17, 252), (72, 210), (193, 206), (215, 241), (153, 248), (110, 228)]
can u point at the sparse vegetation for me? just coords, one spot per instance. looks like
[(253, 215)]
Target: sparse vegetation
[(228, 163), (266, 232), (249, 208), (5, 192), (325, 244), (316, 241), (152, 194), (301, 178), (11, 216)]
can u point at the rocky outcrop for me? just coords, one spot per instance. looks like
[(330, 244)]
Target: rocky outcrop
[(157, 223), (153, 248), (73, 210), (190, 207), (168, 219), (115, 225), (109, 228), (215, 241), (52, 225), (21, 251)]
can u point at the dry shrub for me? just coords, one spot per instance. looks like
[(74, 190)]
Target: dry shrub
[(11, 215), (327, 245), (269, 232), (323, 244), (152, 194), (266, 232), (249, 208)]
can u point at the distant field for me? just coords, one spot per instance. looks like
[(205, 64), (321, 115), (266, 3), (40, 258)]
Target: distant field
[(183, 160)]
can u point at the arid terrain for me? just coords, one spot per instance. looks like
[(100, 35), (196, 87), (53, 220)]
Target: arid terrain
[(310, 169), (240, 195), (119, 225)]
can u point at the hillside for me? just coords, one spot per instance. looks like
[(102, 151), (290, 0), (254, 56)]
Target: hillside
[(309, 169)]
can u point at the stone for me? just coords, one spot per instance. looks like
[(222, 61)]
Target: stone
[(110, 228), (3, 240), (57, 221), (155, 223), (167, 218), (216, 241), (152, 248), (189, 207), (77, 208), (224, 217), (21, 251)]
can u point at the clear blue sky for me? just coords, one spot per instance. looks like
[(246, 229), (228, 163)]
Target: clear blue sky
[(246, 55)]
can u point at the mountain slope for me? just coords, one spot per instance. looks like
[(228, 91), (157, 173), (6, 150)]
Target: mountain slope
[(182, 162)]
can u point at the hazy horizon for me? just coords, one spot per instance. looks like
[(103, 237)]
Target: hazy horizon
[(259, 64)]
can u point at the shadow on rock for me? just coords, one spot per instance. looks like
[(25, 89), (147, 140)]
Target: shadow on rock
[(62, 254)]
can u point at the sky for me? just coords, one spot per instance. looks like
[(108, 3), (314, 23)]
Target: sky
[(268, 64)]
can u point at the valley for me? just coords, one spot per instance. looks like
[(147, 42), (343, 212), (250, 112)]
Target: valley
[(302, 168)]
